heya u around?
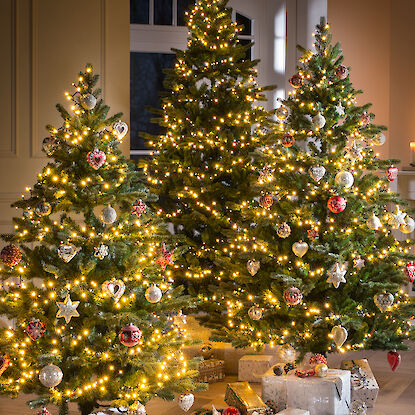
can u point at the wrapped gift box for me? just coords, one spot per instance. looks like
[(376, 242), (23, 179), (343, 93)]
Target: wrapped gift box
[(241, 396), (364, 385), (251, 367), (293, 411), (319, 396), (211, 371)]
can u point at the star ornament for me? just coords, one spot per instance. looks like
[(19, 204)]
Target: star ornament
[(354, 152), (359, 263), (165, 258), (397, 219), (139, 208), (67, 309), (336, 275), (339, 109)]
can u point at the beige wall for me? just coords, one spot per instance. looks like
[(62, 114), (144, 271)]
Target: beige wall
[(44, 45)]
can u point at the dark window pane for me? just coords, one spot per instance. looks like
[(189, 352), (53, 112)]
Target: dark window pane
[(146, 83), (182, 6), (246, 22), (139, 11), (245, 42), (163, 12)]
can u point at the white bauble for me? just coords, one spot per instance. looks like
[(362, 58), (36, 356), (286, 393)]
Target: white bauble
[(344, 178), (153, 294), (319, 121), (88, 102), (379, 140), (409, 225), (373, 222), (321, 370), (50, 376), (286, 353), (108, 215)]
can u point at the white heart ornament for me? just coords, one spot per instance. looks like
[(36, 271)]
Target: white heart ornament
[(253, 266), (114, 288), (67, 252), (300, 248), (120, 129), (186, 401), (383, 301), (339, 334), (317, 172)]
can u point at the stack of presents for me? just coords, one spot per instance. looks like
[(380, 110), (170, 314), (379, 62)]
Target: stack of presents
[(313, 389)]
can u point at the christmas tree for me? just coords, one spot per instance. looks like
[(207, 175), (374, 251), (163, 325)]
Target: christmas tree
[(200, 166), (88, 275), (324, 269)]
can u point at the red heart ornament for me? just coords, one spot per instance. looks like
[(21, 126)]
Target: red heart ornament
[(96, 158), (394, 359), (392, 173), (35, 329), (410, 271), (4, 362)]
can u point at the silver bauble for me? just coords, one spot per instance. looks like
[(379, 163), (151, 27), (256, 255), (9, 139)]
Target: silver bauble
[(153, 294), (379, 140), (50, 376), (344, 178), (373, 222), (43, 208), (108, 215), (321, 370), (281, 113), (409, 225), (286, 353), (88, 101), (319, 121), (255, 313)]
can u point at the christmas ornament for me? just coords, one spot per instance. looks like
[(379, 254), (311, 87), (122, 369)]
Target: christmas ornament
[(319, 121), (50, 376), (129, 335), (296, 80), (305, 373), (255, 313), (409, 225), (136, 409), (49, 145), (410, 271), (206, 351), (339, 109), (113, 288), (339, 334), (231, 411), (96, 158), (266, 176), (108, 215), (344, 178), (364, 119), (359, 263), (44, 411), (67, 252), (101, 251), (215, 411), (153, 294), (336, 204), (312, 234), (300, 248), (43, 208), (321, 370), (266, 201), (278, 369), (11, 255), (289, 366), (287, 140), (286, 353), (292, 296), (88, 101), (253, 266), (283, 230), (139, 208), (67, 309), (341, 72), (165, 258), (185, 401), (358, 407), (392, 173), (373, 222), (4, 362), (394, 359), (354, 152), (317, 172), (281, 113), (336, 274), (317, 358), (35, 329), (383, 301), (379, 140), (120, 129), (397, 219)]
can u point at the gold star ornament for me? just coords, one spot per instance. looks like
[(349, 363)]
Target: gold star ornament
[(67, 309)]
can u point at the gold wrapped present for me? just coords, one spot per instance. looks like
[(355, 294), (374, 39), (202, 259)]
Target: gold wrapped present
[(211, 371), (241, 396)]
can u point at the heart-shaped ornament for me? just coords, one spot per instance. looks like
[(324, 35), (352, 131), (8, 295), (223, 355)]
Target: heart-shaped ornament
[(394, 359), (4, 362), (67, 252), (35, 329), (120, 129), (383, 301), (339, 334), (410, 271), (96, 158), (114, 288), (253, 266), (317, 172), (185, 401), (300, 248)]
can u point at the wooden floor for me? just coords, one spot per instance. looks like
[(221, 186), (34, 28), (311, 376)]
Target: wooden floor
[(396, 397)]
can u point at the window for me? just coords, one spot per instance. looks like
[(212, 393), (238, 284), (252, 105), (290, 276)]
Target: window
[(246, 35)]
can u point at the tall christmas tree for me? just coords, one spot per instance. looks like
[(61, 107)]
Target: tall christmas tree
[(88, 275), (200, 167), (324, 269)]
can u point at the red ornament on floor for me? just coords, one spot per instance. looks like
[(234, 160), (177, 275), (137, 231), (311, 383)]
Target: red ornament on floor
[(410, 271), (336, 204), (392, 173), (231, 411), (130, 335), (394, 359), (44, 411)]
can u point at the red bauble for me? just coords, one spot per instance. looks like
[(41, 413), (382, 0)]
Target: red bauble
[(96, 158), (292, 296), (266, 201), (410, 271), (296, 80), (394, 359), (231, 411), (341, 72), (287, 140), (317, 358), (35, 329), (130, 335), (336, 204), (11, 255), (392, 173), (44, 411)]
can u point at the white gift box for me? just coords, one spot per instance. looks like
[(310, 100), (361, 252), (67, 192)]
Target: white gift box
[(364, 385), (251, 367), (293, 411), (320, 396)]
